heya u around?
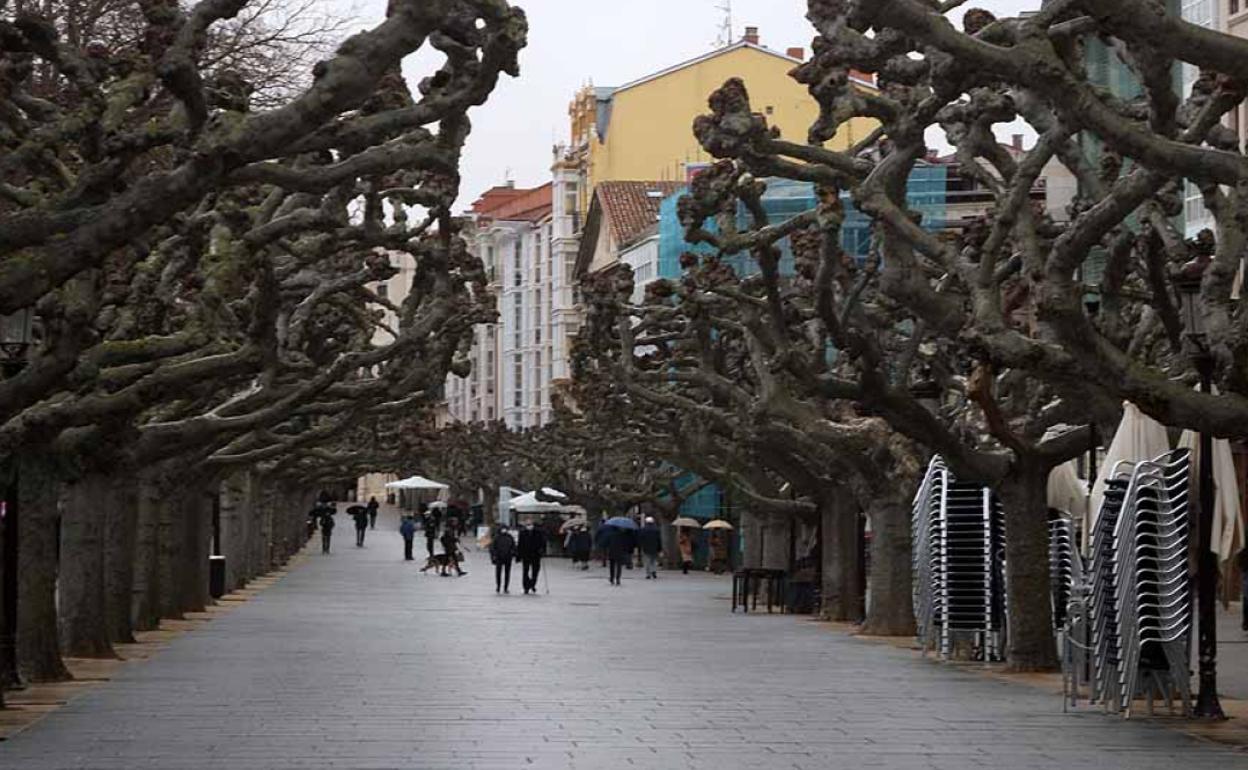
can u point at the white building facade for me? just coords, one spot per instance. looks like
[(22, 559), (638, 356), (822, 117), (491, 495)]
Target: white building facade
[(513, 360)]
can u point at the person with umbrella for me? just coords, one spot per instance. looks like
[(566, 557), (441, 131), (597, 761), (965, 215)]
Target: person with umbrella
[(620, 545), (684, 541), (530, 550), (360, 514)]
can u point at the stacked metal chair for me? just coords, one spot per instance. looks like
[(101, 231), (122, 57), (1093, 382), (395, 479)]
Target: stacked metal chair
[(925, 553), (1139, 601), (1102, 591), (1065, 566), (958, 559), (1153, 596)]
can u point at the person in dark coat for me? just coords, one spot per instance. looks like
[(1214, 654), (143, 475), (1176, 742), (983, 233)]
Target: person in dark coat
[(650, 542), (502, 553), (450, 546), (602, 541), (327, 527), (360, 514), (407, 528), (580, 543), (430, 525), (373, 507), (620, 547), (530, 550)]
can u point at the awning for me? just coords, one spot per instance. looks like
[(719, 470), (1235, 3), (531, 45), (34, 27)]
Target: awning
[(416, 482)]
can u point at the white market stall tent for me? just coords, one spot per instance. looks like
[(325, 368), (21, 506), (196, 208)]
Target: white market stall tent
[(417, 482)]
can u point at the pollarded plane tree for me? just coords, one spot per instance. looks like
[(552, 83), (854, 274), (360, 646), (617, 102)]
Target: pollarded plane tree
[(202, 271), (1002, 305)]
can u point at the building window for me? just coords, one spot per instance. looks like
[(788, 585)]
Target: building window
[(383, 290), (537, 380), (518, 332), (537, 311), (1232, 6), (517, 277), (518, 390)]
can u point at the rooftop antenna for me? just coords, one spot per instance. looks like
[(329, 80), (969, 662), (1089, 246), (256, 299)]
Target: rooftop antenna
[(725, 38)]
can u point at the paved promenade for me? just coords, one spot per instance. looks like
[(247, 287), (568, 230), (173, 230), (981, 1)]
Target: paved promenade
[(355, 660)]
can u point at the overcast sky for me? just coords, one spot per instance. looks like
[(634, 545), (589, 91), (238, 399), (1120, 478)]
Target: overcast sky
[(606, 42)]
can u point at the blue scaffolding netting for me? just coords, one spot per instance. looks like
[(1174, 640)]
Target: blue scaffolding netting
[(785, 198)]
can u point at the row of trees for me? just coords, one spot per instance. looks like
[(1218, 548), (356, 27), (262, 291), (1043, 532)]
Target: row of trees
[(816, 383), (198, 237)]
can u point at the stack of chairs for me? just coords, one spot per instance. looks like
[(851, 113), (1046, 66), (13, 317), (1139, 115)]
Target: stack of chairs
[(925, 553), (1102, 589), (959, 558), (1139, 599), (1068, 589), (1065, 566), (1153, 595)]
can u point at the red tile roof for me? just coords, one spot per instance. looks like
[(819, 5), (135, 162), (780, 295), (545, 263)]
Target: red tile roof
[(632, 208), (510, 205)]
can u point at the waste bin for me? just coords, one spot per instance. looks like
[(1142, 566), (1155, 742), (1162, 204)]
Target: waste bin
[(216, 576)]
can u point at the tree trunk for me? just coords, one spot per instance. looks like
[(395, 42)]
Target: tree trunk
[(238, 503), (145, 604), (38, 639), (490, 506), (775, 536), (843, 591), (120, 558), (191, 571), (752, 532), (890, 611), (83, 585), (1031, 646), (170, 541)]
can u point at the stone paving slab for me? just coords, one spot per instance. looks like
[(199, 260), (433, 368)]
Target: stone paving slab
[(357, 660)]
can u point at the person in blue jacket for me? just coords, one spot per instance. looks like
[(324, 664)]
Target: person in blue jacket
[(407, 528)]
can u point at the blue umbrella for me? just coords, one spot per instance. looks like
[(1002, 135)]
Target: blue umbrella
[(623, 522)]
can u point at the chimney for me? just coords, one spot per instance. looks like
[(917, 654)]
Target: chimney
[(1017, 142), (751, 35), (797, 53)]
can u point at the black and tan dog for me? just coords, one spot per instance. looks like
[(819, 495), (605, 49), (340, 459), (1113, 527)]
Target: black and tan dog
[(443, 562)]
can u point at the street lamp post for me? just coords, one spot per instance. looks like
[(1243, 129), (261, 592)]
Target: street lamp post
[(1188, 283), (16, 333)]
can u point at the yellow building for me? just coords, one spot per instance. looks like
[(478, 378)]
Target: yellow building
[(643, 130)]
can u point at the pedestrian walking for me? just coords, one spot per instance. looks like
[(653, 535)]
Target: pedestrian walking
[(407, 528), (373, 507), (580, 543), (327, 527), (620, 546), (502, 553), (684, 544), (650, 543), (719, 552), (430, 526), (450, 547), (360, 514), (602, 541), (530, 550)]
